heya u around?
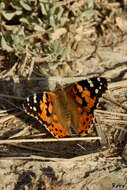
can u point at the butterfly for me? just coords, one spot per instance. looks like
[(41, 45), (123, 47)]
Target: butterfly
[(68, 110)]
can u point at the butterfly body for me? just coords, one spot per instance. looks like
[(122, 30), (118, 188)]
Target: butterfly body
[(67, 110)]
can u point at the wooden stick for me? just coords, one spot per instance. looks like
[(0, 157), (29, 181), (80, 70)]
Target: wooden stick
[(49, 140)]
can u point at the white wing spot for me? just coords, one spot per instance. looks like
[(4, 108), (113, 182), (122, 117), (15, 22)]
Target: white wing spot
[(98, 79), (35, 98), (34, 108), (90, 83), (96, 91), (27, 99), (31, 107)]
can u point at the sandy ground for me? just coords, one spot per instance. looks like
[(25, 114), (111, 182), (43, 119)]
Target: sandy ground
[(78, 165)]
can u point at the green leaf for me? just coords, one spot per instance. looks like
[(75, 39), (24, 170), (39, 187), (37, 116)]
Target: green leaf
[(60, 12), (91, 4), (2, 6), (9, 16), (52, 21), (65, 53), (59, 50), (16, 4), (26, 5), (43, 9), (5, 46), (88, 14), (38, 28), (24, 20), (56, 45), (52, 10)]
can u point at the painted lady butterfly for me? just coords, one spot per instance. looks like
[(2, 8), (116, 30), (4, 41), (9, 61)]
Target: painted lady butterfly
[(67, 110)]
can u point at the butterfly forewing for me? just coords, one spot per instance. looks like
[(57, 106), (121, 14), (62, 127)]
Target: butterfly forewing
[(41, 106)]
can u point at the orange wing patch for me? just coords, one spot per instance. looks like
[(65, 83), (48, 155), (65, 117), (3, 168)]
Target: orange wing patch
[(57, 129), (85, 123)]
